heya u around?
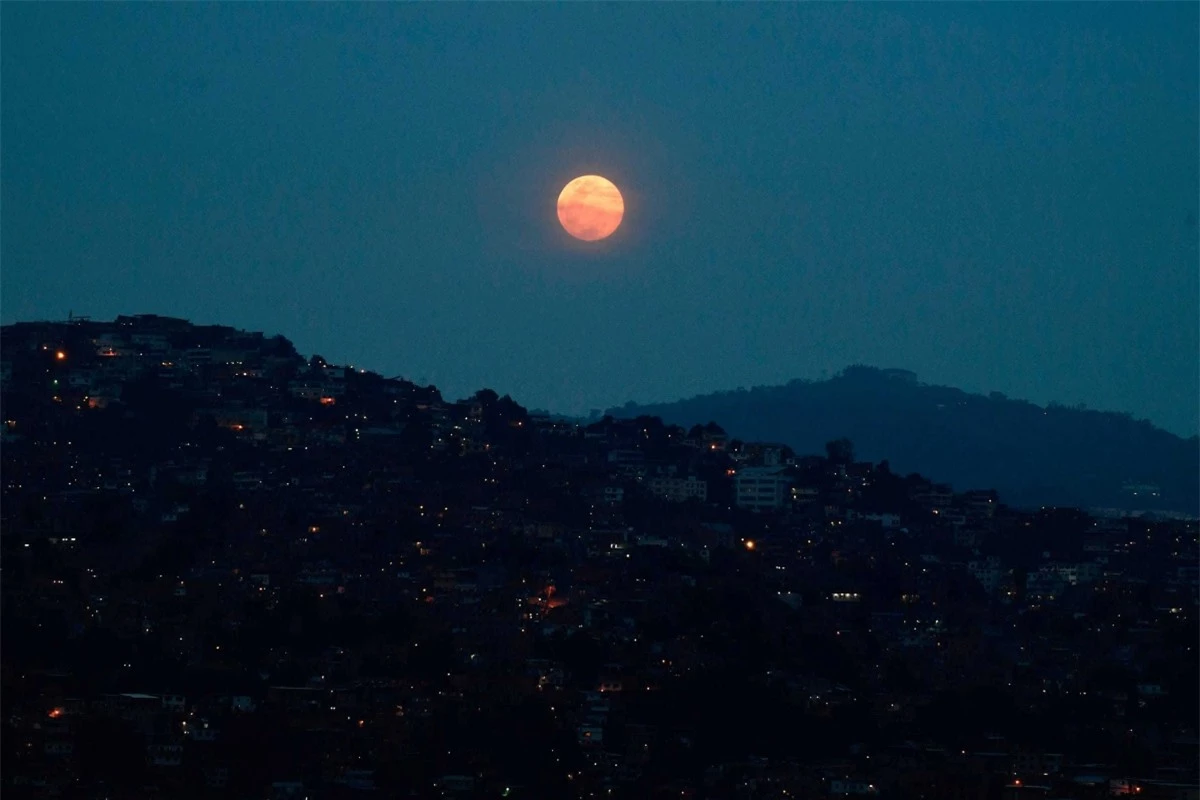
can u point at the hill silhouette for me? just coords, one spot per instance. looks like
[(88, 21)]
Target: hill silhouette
[(1033, 455)]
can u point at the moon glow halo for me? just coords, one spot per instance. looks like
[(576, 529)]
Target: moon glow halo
[(590, 208)]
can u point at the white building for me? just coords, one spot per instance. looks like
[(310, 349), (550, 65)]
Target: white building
[(678, 489), (844, 786), (613, 495), (762, 488), (885, 520)]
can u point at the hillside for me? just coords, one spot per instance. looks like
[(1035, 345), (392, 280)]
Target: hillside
[(324, 578), (1032, 455)]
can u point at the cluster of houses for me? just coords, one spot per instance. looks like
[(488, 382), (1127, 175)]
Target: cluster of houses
[(229, 570)]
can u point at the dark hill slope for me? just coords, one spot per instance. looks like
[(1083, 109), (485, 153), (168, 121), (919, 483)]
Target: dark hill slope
[(1032, 455)]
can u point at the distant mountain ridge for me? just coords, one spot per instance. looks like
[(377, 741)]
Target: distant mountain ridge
[(1032, 455)]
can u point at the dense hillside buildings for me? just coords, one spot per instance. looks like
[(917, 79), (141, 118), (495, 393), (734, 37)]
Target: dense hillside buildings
[(228, 570)]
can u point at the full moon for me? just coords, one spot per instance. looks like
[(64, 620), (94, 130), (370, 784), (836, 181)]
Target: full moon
[(590, 208)]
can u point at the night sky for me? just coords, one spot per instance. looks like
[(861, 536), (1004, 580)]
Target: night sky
[(997, 196)]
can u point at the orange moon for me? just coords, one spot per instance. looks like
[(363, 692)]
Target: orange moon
[(590, 208)]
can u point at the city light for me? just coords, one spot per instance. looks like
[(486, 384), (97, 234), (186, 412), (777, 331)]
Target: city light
[(556, 540)]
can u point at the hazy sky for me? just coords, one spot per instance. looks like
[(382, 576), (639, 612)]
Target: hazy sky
[(996, 196)]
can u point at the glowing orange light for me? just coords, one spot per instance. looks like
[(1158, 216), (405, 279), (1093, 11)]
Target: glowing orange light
[(327, 401), (60, 355), (55, 713), (749, 544)]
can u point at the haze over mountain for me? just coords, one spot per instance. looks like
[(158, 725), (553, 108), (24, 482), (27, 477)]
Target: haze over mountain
[(1053, 455)]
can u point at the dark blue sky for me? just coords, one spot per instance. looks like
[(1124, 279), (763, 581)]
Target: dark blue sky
[(997, 196)]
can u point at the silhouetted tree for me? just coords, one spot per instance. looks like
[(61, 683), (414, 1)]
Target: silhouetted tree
[(280, 346), (486, 397)]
